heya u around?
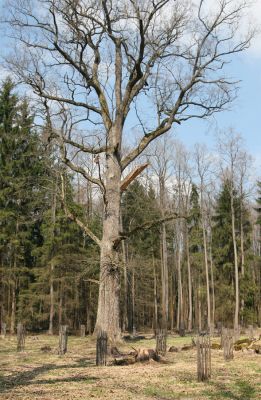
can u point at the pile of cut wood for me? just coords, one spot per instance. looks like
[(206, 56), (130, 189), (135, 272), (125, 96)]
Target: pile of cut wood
[(248, 344), (139, 355)]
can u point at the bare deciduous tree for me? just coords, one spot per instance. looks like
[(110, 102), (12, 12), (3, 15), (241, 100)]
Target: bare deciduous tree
[(94, 65)]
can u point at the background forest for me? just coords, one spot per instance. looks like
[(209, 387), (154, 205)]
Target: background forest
[(180, 269)]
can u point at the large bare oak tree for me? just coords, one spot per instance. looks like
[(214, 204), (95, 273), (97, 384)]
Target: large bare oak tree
[(106, 70)]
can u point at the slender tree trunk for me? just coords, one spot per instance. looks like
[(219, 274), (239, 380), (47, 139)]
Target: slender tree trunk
[(60, 306), (172, 302), (212, 283), (189, 283), (13, 309), (180, 320), (1, 296), (125, 323), (164, 279), (54, 206), (51, 315), (206, 262), (155, 295), (242, 251), (236, 325), (133, 301), (88, 310), (199, 313)]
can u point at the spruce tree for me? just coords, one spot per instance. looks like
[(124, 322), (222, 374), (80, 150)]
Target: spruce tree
[(20, 197)]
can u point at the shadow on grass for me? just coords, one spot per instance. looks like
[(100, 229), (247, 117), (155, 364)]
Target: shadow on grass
[(241, 390), (27, 377)]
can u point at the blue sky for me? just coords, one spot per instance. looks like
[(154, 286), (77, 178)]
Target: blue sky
[(245, 116)]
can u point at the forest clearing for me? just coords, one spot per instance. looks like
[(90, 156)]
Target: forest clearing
[(34, 374)]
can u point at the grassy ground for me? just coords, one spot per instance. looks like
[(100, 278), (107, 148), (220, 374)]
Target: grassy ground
[(33, 374)]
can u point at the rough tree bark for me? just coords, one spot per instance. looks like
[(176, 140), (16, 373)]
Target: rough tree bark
[(108, 304)]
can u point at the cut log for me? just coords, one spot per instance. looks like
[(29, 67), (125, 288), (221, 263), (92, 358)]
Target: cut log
[(243, 341), (128, 360), (215, 346), (46, 349), (187, 347), (115, 352), (174, 349), (146, 355), (131, 338), (256, 346)]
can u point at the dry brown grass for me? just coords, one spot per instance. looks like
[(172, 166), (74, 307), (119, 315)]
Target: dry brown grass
[(46, 376)]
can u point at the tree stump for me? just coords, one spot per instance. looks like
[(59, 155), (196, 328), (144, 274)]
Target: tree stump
[(82, 330), (250, 332), (219, 328), (101, 348), (237, 333), (212, 329), (63, 339), (182, 329), (228, 344), (20, 337), (224, 332), (3, 329), (161, 341), (203, 358)]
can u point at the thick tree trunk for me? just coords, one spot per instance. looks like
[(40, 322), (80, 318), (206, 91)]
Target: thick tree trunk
[(108, 313)]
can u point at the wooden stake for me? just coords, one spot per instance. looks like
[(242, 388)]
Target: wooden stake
[(20, 337), (203, 358), (101, 348), (63, 339)]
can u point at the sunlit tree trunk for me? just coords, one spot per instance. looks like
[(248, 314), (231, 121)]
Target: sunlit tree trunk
[(190, 311), (108, 314), (236, 317)]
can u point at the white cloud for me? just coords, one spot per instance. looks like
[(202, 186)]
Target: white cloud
[(255, 17)]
